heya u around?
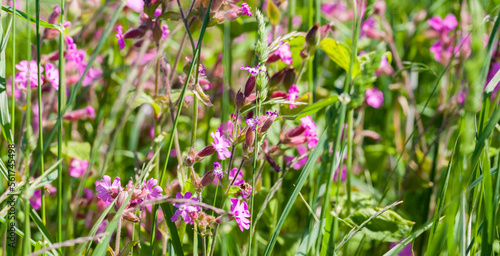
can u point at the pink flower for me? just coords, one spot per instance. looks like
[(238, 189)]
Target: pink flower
[(184, 209), (77, 167), (164, 32), (310, 131), (374, 97), (302, 151), (443, 25), (221, 145), (238, 180), (226, 129), (252, 122), (240, 213), (36, 199), (337, 10), (107, 191), (21, 78), (90, 111), (52, 75), (219, 174), (284, 53), (153, 190), (293, 94), (136, 5), (245, 9), (119, 36), (253, 71), (384, 68)]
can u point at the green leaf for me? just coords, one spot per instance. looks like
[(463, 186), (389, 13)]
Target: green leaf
[(128, 248), (29, 18), (340, 54), (172, 229), (4, 103), (387, 227), (73, 149), (312, 109), (169, 16), (233, 190), (273, 13), (144, 98)]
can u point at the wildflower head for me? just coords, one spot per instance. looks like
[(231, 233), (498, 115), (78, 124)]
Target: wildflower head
[(240, 213), (221, 144), (253, 71), (293, 94), (77, 167), (374, 97), (107, 191), (245, 9), (184, 210), (119, 37)]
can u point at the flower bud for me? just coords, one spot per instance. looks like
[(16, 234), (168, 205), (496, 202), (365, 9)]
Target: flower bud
[(312, 36), (250, 137), (122, 197), (250, 86), (134, 33), (269, 121), (207, 179), (273, 164), (239, 100), (218, 220), (289, 78), (379, 8), (278, 94), (295, 131), (190, 158), (54, 15), (277, 77), (130, 216), (250, 99), (304, 55), (206, 151)]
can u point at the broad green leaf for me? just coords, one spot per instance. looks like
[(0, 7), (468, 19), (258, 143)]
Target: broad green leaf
[(73, 149), (312, 109), (387, 227), (273, 13), (29, 18), (327, 248), (169, 16), (340, 54)]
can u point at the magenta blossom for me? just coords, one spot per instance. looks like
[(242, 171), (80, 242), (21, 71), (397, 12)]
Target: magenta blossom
[(21, 78), (238, 180), (119, 36), (245, 9), (77, 167), (284, 53), (221, 144), (293, 94), (218, 172), (36, 199), (443, 25), (374, 97), (226, 129), (184, 209), (136, 5), (252, 122), (302, 153), (253, 71), (153, 190), (240, 213), (310, 131), (106, 190), (52, 75), (164, 32)]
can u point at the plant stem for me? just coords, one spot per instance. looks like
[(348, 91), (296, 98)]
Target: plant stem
[(60, 100), (118, 236)]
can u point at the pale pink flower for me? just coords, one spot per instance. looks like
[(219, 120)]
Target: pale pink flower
[(221, 144), (374, 97), (284, 53), (239, 211), (310, 131), (77, 167), (21, 78), (136, 5)]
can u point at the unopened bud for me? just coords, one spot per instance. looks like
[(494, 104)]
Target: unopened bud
[(190, 158), (239, 100), (250, 99), (277, 77), (278, 94), (273, 164), (134, 33), (295, 131), (130, 216), (207, 179), (269, 121), (289, 78), (250, 86), (304, 55), (249, 137), (122, 197), (312, 36), (206, 151), (379, 8)]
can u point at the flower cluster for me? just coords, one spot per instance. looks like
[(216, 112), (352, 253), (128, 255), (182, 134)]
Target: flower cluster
[(447, 43)]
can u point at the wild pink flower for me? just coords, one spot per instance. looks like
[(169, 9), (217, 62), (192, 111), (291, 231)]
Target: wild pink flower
[(92, 74), (253, 71), (407, 250), (218, 172), (36, 199), (221, 144), (153, 190), (226, 129), (299, 164), (293, 94), (310, 131), (238, 179), (90, 111), (374, 97), (136, 5), (252, 122), (284, 53), (239, 211), (443, 25), (202, 70), (21, 78), (52, 75), (157, 12), (384, 68), (184, 209), (119, 36), (245, 9), (164, 32), (337, 10), (77, 167), (343, 174), (107, 191), (368, 29)]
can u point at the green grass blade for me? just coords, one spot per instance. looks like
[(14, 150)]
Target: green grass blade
[(30, 18), (300, 182), (396, 249), (172, 229)]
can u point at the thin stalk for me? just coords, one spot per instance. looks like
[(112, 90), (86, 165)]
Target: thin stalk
[(291, 12), (27, 206), (174, 128), (13, 101), (40, 124), (118, 235), (350, 132), (60, 102)]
